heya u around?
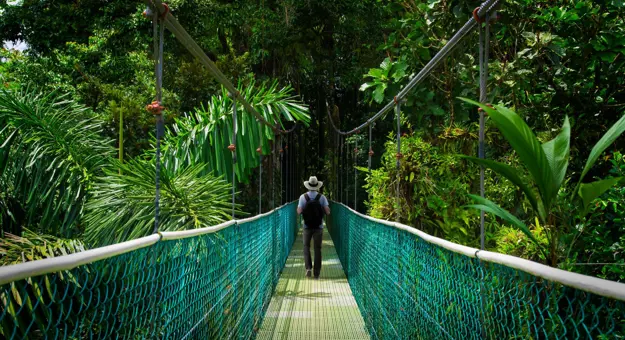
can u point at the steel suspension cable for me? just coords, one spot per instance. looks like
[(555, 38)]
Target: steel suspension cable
[(341, 168), (484, 40), (287, 160), (156, 108), (281, 169), (370, 149), (187, 41), (398, 156), (233, 148), (260, 174), (272, 174), (337, 141), (428, 68), (483, 60), (355, 175), (288, 168), (347, 154)]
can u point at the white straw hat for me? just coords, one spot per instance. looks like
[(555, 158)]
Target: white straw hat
[(313, 184)]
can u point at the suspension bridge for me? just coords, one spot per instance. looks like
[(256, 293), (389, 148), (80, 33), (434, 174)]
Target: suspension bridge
[(245, 278)]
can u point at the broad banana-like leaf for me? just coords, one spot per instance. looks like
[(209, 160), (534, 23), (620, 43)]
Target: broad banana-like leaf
[(615, 131), (491, 207), (589, 191), (557, 152), (527, 146), (511, 174)]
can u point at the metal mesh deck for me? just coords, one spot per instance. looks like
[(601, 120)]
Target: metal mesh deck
[(304, 308)]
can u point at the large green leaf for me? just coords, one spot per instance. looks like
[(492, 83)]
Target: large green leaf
[(511, 174), (204, 135), (527, 146), (589, 191), (557, 152), (615, 131), (491, 207), (375, 73), (378, 93)]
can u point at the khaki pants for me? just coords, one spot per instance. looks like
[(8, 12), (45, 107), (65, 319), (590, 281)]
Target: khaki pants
[(316, 235)]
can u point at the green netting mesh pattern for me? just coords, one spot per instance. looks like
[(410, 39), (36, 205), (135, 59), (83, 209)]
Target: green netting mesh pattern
[(407, 288), (213, 286)]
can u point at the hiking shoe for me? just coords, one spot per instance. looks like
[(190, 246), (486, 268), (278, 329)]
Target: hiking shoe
[(316, 277), (308, 272)]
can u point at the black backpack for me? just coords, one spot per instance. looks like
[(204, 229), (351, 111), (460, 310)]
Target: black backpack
[(313, 212)]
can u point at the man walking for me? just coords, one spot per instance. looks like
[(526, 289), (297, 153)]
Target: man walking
[(313, 206)]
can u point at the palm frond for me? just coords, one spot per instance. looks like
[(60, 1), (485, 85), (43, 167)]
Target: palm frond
[(122, 203), (32, 246), (51, 146), (203, 135)]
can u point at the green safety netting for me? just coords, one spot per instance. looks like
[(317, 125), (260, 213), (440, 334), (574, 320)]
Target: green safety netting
[(210, 286), (408, 288)]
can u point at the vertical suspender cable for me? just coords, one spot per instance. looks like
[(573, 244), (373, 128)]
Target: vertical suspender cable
[(157, 109), (398, 156), (370, 149), (291, 166), (341, 167), (483, 60), (281, 151), (288, 168), (233, 148), (355, 175), (347, 153), (260, 171), (295, 165), (273, 169), (483, 51), (336, 165)]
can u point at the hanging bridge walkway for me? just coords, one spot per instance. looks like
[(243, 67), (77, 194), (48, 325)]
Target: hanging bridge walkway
[(305, 308), (245, 279)]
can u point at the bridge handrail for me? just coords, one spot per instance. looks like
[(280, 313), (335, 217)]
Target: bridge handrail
[(590, 284), (25, 270)]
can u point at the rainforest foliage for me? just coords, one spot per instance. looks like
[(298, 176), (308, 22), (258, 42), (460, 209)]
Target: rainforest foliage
[(76, 96)]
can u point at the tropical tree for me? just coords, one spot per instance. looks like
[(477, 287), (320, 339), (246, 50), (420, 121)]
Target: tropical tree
[(50, 149), (547, 164)]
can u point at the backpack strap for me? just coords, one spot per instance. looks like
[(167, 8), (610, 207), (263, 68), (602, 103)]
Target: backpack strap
[(307, 197), (318, 197)]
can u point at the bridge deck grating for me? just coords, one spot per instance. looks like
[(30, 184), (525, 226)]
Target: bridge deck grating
[(305, 308)]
